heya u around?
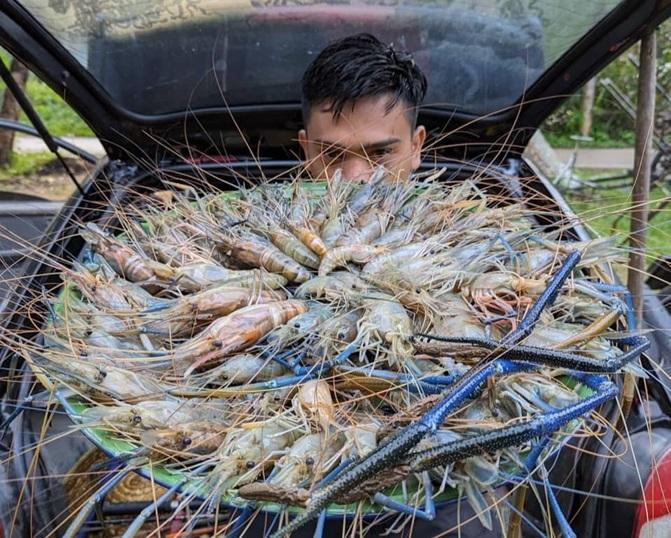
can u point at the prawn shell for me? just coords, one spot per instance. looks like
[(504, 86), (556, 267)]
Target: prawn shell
[(293, 247), (126, 262), (191, 311), (334, 284), (237, 331), (245, 368), (223, 300), (314, 400), (184, 441), (309, 238), (267, 256), (342, 255), (368, 227)]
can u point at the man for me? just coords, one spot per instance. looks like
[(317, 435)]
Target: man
[(360, 103)]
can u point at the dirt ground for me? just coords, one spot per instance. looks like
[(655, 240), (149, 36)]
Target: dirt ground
[(49, 181)]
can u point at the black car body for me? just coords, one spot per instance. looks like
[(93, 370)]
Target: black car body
[(207, 91)]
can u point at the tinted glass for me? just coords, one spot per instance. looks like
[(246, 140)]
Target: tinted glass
[(159, 56)]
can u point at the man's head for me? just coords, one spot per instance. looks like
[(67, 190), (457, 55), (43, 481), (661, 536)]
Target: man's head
[(360, 100)]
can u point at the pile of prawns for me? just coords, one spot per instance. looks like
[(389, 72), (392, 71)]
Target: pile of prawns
[(282, 347)]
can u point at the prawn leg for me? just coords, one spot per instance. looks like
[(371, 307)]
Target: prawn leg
[(540, 426), (411, 382), (546, 298), (556, 358), (319, 528), (95, 500), (562, 522), (600, 291), (535, 452), (429, 512), (240, 521), (512, 253), (148, 510), (327, 365)]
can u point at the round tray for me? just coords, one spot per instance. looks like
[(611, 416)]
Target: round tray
[(116, 448)]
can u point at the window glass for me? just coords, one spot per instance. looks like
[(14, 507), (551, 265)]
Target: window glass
[(160, 56)]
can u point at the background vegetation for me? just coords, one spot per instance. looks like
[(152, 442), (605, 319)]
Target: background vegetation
[(59, 118), (611, 126)]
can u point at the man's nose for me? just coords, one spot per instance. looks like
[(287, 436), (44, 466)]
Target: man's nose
[(357, 169)]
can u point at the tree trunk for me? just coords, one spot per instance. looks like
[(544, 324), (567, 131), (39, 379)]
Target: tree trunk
[(10, 110), (587, 107), (645, 118)]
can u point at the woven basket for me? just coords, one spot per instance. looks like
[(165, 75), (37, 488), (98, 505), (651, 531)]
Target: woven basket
[(81, 482)]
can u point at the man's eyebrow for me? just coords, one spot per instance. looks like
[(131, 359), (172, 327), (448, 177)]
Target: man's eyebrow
[(381, 144), (368, 147)]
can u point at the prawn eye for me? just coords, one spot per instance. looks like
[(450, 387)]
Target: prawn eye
[(136, 419), (217, 343), (186, 441), (309, 460), (250, 464)]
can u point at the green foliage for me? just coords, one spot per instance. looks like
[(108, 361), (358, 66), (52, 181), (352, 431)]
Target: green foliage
[(59, 118), (612, 127), (24, 164)]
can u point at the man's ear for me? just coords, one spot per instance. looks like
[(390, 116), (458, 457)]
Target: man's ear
[(303, 141), (418, 138)]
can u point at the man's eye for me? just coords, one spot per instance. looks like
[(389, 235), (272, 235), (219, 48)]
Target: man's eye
[(380, 153), (332, 154)]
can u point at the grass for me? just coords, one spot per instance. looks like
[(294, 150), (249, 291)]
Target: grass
[(24, 164), (606, 212)]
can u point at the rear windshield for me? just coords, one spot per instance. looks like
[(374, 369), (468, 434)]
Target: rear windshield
[(161, 56)]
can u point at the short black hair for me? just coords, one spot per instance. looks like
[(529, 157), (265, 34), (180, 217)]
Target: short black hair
[(361, 66)]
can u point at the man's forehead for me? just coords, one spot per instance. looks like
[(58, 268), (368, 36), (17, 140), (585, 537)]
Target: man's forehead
[(368, 122), (370, 146)]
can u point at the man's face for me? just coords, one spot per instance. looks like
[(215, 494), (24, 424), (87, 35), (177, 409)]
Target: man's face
[(361, 138)]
